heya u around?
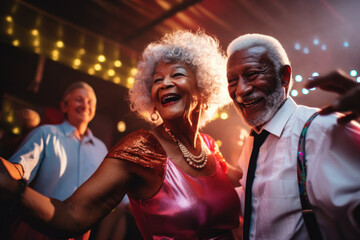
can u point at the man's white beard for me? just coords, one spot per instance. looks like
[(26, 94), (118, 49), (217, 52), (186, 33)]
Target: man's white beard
[(273, 102)]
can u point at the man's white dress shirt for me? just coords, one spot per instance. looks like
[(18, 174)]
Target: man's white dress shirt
[(333, 176)]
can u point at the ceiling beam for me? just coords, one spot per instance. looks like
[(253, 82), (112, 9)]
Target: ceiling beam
[(173, 11)]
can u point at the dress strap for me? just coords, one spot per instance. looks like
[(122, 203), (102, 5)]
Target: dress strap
[(210, 142)]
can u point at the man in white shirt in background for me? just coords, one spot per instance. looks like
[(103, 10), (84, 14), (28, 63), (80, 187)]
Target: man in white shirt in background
[(259, 77)]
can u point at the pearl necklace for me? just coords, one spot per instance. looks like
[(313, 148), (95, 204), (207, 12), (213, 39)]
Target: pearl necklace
[(194, 161)]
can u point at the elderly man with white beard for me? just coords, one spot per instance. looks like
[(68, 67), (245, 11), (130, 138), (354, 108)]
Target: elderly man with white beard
[(301, 170)]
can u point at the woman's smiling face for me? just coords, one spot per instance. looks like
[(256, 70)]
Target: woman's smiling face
[(174, 90)]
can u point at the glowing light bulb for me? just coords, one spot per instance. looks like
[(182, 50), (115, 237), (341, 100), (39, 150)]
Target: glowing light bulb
[(60, 44), (121, 126), (101, 58), (77, 62), (130, 80), (116, 80), (224, 115), (97, 67), (117, 63), (16, 42), (35, 32), (91, 71), (133, 71), (111, 72), (9, 19)]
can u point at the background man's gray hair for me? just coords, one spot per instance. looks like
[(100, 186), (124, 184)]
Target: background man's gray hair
[(76, 85)]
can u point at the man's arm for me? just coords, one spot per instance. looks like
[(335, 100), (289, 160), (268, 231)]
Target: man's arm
[(356, 215)]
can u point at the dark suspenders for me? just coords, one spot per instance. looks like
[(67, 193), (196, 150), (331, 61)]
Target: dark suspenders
[(307, 210)]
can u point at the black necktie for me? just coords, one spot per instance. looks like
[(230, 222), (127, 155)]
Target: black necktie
[(258, 141)]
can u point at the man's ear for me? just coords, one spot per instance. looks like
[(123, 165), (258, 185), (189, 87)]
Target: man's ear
[(63, 106), (285, 74)]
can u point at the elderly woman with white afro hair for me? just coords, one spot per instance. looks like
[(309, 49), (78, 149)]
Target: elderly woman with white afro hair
[(178, 183), (200, 52)]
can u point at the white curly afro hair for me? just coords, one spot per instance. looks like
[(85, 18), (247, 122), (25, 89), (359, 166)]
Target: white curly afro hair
[(202, 53)]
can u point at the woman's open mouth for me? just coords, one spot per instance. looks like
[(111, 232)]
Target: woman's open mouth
[(169, 98)]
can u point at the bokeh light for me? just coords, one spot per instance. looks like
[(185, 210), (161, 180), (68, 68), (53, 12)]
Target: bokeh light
[(294, 93), (298, 78), (353, 73), (305, 91)]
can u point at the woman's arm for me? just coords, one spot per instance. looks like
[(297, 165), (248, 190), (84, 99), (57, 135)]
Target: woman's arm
[(234, 175), (91, 201)]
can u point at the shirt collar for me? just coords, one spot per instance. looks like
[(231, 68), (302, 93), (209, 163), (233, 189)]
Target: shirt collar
[(69, 131), (277, 123)]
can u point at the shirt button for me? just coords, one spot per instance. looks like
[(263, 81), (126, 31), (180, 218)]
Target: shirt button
[(257, 172), (255, 201), (251, 235)]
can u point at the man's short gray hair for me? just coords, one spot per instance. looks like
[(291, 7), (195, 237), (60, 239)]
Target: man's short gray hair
[(275, 50)]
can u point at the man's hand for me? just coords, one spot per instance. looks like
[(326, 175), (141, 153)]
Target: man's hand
[(349, 90)]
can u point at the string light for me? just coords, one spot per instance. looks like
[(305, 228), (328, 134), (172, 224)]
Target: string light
[(77, 62), (91, 71), (116, 80), (97, 67), (16, 130), (224, 115), (60, 44), (82, 51), (111, 72), (35, 32), (10, 31), (9, 19), (117, 63), (133, 71), (36, 42), (16, 42), (101, 58), (55, 55), (121, 126)]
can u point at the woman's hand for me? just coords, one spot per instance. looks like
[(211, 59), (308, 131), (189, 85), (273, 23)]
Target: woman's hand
[(8, 185), (349, 90)]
